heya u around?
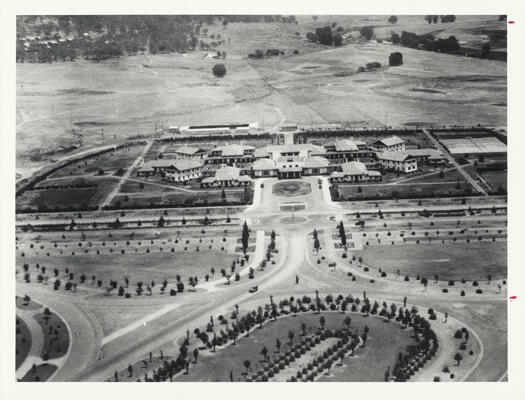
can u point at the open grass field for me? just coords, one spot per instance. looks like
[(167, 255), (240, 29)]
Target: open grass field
[(107, 162), (23, 342), (56, 336), (63, 199), (127, 96), (495, 179), (472, 261), (369, 364), (442, 188), (145, 267)]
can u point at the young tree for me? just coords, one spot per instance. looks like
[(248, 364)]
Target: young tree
[(322, 322), (347, 321), (247, 364), (458, 357), (264, 353), (291, 336)]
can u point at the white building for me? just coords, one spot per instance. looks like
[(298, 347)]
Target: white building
[(226, 176), (397, 161), (183, 170), (354, 172)]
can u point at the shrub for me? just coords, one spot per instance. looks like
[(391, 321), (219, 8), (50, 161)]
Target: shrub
[(479, 291), (219, 70), (475, 283), (445, 290), (451, 283), (462, 293)]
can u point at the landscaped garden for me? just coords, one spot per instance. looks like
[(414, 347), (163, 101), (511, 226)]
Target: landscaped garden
[(385, 341), (299, 339), (291, 188)]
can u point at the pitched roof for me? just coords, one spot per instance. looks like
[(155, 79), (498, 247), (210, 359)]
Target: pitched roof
[(423, 152), (264, 164), (390, 141), (227, 173), (316, 162), (354, 168), (187, 150), (345, 145), (398, 156), (184, 165)]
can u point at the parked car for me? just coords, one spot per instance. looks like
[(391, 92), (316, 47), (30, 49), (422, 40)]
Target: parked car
[(253, 289)]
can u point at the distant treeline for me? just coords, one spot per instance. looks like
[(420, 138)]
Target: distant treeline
[(46, 39), (448, 45), (303, 136)]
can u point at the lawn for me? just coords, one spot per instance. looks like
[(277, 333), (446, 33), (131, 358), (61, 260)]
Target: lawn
[(145, 267), (31, 305), (42, 373), (496, 180), (181, 198), (472, 261), (385, 341), (56, 336), (404, 190), (23, 341)]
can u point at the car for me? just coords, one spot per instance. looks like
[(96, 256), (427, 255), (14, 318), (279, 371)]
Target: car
[(253, 289)]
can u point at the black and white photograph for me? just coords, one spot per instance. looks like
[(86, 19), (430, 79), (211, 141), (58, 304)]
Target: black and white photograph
[(261, 197)]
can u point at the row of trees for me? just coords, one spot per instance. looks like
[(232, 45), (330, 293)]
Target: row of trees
[(443, 18), (426, 41), (224, 332)]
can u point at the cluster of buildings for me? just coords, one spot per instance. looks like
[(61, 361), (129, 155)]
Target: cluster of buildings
[(344, 160)]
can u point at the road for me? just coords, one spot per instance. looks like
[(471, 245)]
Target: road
[(265, 214)]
